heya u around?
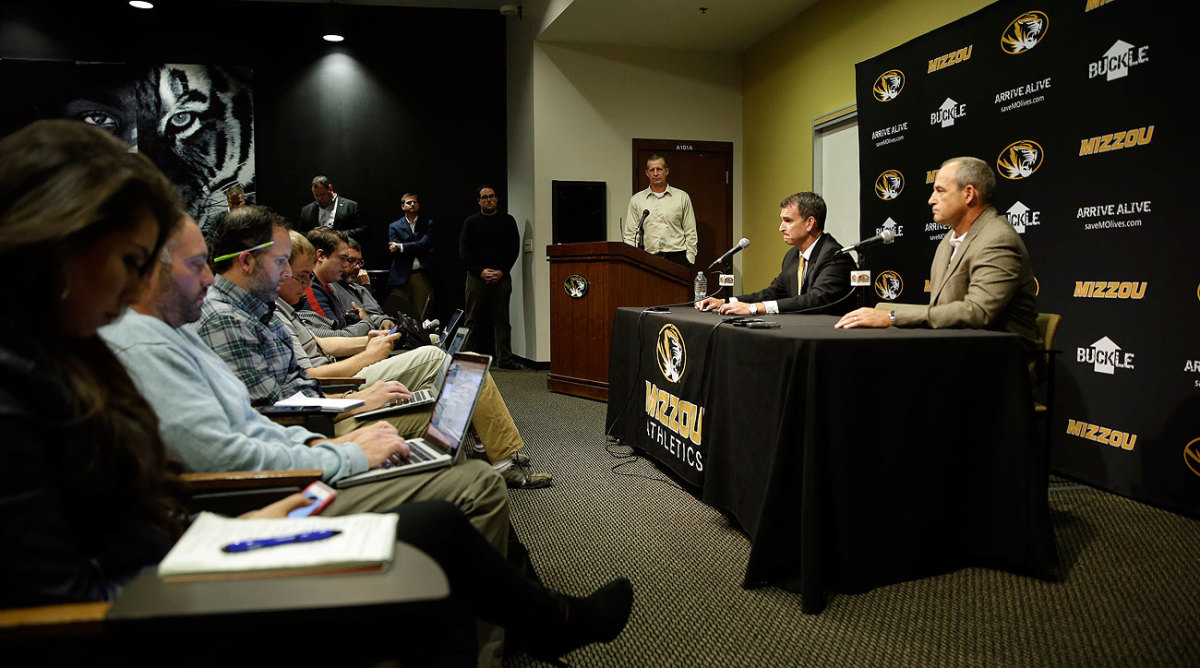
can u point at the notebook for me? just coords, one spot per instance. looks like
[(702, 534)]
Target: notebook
[(429, 395), (441, 445), (365, 542)]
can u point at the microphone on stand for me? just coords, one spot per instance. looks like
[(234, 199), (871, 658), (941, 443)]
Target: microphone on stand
[(730, 253), (641, 236), (885, 237)]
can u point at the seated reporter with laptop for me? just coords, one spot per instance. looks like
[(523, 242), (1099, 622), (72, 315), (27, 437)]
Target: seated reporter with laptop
[(87, 499), (416, 369)]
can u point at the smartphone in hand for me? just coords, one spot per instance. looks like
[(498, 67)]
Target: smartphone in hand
[(321, 494)]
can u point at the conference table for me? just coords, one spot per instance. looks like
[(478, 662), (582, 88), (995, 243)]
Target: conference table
[(851, 458)]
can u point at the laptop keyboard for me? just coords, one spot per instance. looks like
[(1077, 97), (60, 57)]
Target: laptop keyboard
[(421, 397)]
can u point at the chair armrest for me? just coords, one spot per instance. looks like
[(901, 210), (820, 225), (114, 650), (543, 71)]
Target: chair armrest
[(67, 619), (342, 380), (232, 480)]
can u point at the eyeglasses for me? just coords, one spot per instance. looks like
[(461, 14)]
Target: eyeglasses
[(248, 250), (354, 261), (492, 196), (305, 278)]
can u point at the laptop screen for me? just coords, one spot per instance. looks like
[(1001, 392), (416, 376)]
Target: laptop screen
[(456, 403), (451, 325)]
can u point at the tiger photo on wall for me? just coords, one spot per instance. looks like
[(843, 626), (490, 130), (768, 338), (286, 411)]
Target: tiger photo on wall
[(196, 122)]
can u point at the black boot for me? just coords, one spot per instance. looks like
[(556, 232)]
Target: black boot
[(598, 618)]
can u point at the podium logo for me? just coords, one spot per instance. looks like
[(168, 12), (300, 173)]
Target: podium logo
[(1105, 356), (1117, 61), (671, 353), (1116, 141), (1110, 289), (888, 86), (889, 185), (1019, 160), (1094, 432), (946, 114), (1191, 455), (889, 285), (889, 224), (1021, 216), (1024, 33)]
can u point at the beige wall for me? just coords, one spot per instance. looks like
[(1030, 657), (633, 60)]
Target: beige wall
[(573, 113), (574, 110), (802, 71)]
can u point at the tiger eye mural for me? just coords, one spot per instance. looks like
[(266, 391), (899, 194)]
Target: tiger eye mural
[(196, 122)]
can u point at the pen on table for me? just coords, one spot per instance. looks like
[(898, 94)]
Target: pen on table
[(306, 537)]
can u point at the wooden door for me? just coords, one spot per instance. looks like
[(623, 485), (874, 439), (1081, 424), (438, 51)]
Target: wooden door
[(703, 169)]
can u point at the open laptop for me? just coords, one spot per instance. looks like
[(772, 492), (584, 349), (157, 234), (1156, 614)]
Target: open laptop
[(448, 331), (441, 445), (428, 395)]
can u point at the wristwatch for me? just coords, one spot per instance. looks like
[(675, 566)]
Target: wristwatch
[(754, 309), (892, 317)]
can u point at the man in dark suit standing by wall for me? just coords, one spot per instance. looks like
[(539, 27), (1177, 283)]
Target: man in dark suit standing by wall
[(813, 276), (410, 241), (489, 246), (328, 209)]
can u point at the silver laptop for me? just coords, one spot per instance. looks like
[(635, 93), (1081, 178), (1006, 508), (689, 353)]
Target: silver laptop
[(428, 395), (442, 444)]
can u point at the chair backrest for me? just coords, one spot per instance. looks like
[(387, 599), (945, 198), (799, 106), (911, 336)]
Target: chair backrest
[(1047, 324)]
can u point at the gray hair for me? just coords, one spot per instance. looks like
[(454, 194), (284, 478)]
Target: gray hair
[(976, 173), (321, 181)]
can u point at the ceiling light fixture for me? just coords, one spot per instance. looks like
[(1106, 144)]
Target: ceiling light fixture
[(333, 20), (141, 4)]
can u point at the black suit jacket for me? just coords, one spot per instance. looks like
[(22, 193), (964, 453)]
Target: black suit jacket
[(347, 219), (826, 279)]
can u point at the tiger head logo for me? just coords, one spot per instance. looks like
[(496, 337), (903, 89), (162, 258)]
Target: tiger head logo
[(1191, 455), (1024, 32), (888, 86), (889, 185), (671, 353), (889, 285), (1019, 160)]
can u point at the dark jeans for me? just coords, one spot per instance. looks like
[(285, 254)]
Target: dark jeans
[(487, 314)]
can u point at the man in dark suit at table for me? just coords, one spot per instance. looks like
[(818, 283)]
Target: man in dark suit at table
[(981, 276), (328, 209), (813, 278), (410, 241)]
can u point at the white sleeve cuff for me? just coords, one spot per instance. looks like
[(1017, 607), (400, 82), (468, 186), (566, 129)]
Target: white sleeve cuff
[(772, 307)]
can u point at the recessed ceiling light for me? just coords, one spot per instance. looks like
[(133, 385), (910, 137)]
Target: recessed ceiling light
[(333, 38), (141, 4)]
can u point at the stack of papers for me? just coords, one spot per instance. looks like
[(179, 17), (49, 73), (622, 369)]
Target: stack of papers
[(299, 400), (367, 542)]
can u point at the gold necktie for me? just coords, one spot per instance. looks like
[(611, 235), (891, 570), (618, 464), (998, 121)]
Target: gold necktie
[(800, 276)]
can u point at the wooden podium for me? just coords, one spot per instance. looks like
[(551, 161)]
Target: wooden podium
[(588, 282)]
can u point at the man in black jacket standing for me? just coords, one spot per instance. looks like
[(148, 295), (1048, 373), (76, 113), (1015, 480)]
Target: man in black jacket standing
[(489, 246), (329, 209), (813, 278)]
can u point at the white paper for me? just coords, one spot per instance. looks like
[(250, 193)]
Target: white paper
[(332, 405), (366, 540)]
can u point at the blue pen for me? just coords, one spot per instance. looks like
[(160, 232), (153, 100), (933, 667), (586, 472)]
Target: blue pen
[(307, 537)]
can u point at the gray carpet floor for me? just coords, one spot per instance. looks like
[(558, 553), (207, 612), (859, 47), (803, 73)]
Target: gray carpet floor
[(1130, 595)]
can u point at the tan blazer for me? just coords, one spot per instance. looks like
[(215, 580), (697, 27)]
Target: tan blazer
[(988, 285)]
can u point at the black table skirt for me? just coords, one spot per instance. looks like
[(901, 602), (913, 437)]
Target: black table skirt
[(853, 459)]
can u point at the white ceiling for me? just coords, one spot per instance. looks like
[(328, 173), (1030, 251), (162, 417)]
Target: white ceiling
[(728, 26)]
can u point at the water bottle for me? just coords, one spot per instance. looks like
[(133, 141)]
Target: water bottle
[(700, 289)]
